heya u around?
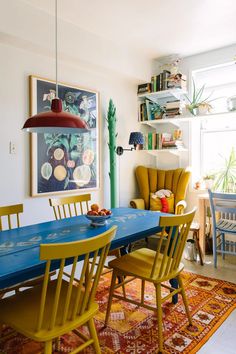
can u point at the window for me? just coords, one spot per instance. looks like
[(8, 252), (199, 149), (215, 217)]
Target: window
[(220, 83), (215, 136)]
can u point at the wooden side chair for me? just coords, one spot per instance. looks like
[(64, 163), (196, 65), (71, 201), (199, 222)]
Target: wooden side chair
[(10, 218), (155, 266), (47, 311), (223, 211), (7, 213), (70, 206), (73, 206)]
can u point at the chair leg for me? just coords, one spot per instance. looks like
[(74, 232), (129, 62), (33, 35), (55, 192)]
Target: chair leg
[(223, 246), (214, 248), (48, 347), (184, 299), (196, 238), (159, 317), (142, 291), (94, 335), (112, 287)]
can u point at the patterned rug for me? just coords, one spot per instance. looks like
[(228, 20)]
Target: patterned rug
[(134, 330)]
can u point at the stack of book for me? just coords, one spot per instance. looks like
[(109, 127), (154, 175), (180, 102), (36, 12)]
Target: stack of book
[(158, 141), (152, 141), (172, 141), (144, 88), (172, 109), (160, 82)]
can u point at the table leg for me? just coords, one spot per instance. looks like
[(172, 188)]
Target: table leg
[(202, 223), (174, 283)]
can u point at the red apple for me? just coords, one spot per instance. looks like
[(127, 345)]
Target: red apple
[(102, 213), (108, 212)]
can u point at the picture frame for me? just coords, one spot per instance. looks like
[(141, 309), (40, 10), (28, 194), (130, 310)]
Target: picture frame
[(64, 163)]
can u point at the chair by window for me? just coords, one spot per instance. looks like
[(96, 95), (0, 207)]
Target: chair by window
[(47, 311), (156, 267), (223, 211), (70, 206)]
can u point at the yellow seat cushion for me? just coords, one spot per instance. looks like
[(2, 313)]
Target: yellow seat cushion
[(139, 263), (155, 203)]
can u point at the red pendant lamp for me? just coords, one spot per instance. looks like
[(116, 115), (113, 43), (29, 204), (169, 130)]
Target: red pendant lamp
[(55, 121)]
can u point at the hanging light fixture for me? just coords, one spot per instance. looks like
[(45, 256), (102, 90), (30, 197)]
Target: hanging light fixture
[(55, 121)]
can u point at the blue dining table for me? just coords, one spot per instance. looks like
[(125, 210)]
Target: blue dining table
[(19, 248)]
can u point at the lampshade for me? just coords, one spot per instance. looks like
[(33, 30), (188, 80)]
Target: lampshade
[(55, 121), (136, 138)]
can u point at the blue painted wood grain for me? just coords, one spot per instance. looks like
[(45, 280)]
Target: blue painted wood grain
[(19, 248)]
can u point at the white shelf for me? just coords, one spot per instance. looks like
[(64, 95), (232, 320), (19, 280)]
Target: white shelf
[(176, 121), (162, 151), (166, 95)]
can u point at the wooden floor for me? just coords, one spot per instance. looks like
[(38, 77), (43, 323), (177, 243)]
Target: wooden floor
[(224, 339)]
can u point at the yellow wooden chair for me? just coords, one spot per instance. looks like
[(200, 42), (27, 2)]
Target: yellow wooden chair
[(68, 206), (47, 311), (10, 217), (7, 212), (156, 267)]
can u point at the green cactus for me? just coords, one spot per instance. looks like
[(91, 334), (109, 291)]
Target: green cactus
[(111, 121)]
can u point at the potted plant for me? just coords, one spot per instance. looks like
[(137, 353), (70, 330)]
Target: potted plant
[(198, 104), (225, 178), (157, 110), (208, 180)]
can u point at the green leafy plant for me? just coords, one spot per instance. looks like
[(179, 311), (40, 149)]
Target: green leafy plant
[(225, 178), (198, 100), (157, 109)]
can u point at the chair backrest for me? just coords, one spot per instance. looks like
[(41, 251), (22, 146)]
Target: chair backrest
[(151, 180), (70, 302), (171, 245), (67, 207), (224, 204), (8, 212)]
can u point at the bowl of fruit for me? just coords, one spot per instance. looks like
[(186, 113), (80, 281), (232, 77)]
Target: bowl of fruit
[(97, 216)]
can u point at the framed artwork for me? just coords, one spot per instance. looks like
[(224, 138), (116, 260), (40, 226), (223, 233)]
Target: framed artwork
[(62, 163)]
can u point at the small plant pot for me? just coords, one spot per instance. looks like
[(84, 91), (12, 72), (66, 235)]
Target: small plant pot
[(208, 183)]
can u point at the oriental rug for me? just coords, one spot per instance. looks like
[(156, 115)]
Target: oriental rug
[(133, 330)]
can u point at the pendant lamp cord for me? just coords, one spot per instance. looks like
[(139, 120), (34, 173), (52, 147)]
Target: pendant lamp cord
[(56, 50)]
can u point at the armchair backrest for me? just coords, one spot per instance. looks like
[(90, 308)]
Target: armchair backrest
[(151, 180)]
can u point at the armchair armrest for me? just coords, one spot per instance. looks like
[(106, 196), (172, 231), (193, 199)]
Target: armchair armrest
[(137, 203), (180, 206)]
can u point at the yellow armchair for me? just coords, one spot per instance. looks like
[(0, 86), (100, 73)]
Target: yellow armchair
[(151, 180)]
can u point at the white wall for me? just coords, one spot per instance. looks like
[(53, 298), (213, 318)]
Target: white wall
[(16, 65)]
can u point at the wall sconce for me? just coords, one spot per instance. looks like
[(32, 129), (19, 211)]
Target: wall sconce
[(136, 139)]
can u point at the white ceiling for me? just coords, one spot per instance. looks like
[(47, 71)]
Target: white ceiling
[(155, 27)]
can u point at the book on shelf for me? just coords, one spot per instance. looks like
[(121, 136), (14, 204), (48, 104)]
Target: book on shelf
[(164, 80), (144, 88), (150, 112), (143, 112), (152, 141)]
